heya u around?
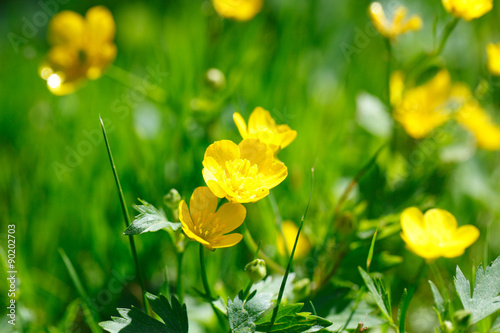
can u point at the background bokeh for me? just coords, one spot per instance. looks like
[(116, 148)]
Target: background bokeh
[(316, 65)]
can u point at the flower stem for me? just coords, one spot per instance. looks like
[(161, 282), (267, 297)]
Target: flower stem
[(388, 74), (126, 216), (279, 221), (442, 286), (446, 34), (204, 272), (204, 279)]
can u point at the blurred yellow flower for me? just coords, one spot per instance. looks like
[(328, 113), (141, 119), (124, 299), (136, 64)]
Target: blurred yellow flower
[(435, 234), (241, 10), (263, 127), (242, 173), (81, 48), (493, 51), (290, 230), (207, 225), (475, 119), (399, 24), (468, 9), (421, 109)]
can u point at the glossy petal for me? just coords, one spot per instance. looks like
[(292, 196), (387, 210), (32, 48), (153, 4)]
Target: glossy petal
[(227, 241), (231, 216), (257, 153), (240, 124), (67, 28), (290, 230), (399, 24), (493, 52), (222, 151), (203, 202), (100, 25)]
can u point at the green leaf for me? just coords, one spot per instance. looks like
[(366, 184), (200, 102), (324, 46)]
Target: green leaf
[(438, 299), (377, 290), (150, 219), (485, 298), (243, 315), (290, 320), (361, 312), (403, 308), (173, 314)]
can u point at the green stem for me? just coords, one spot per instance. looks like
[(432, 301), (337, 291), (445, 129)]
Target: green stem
[(446, 34), (204, 272), (126, 216), (204, 279)]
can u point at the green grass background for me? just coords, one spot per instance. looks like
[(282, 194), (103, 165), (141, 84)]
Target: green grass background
[(289, 59)]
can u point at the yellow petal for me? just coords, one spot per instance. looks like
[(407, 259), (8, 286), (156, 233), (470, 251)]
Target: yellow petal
[(242, 10), (260, 119), (203, 202), (276, 174), (67, 28), (212, 182), (288, 135), (230, 216), (440, 221), (468, 9), (222, 151), (227, 240), (397, 86), (190, 234), (184, 215), (240, 124), (412, 224), (493, 52), (100, 25), (257, 153)]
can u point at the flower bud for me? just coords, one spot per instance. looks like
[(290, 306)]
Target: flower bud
[(215, 78), (256, 270), (172, 199), (462, 319)]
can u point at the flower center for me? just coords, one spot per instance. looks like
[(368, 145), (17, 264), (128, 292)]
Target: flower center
[(242, 176)]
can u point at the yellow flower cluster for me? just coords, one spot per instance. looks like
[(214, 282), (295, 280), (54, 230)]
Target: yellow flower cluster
[(435, 233), (422, 109), (241, 173), (399, 24), (82, 47)]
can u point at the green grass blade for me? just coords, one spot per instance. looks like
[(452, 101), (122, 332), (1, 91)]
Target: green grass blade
[(81, 291), (125, 215), (285, 277)]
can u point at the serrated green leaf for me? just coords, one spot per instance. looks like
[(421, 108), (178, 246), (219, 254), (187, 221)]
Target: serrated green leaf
[(363, 312), (290, 320), (378, 293), (243, 315), (485, 299), (150, 219), (438, 299), (173, 314)]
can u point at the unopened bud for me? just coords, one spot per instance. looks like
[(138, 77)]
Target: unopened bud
[(215, 78), (256, 270), (172, 199)]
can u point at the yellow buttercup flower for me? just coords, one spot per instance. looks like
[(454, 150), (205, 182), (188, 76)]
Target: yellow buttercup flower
[(493, 51), (207, 225), (263, 127), (435, 233), (242, 173), (421, 109), (290, 230), (476, 120), (468, 9), (81, 48), (241, 10), (399, 24)]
